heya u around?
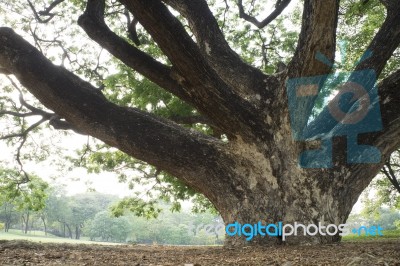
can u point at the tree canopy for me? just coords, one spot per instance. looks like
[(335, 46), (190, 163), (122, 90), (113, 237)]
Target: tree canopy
[(192, 99)]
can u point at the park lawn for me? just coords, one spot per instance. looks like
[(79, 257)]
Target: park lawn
[(39, 236), (387, 234)]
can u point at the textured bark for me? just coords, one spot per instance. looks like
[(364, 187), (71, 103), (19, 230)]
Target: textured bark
[(253, 177)]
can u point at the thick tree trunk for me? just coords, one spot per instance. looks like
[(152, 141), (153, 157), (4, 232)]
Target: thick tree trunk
[(299, 200), (275, 189)]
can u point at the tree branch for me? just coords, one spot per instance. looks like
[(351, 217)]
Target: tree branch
[(25, 132), (54, 120), (382, 47), (390, 174), (387, 140), (58, 123), (389, 93), (186, 154), (280, 6), (246, 79), (16, 114), (318, 36), (208, 93), (46, 12), (92, 21), (390, 5), (131, 26), (190, 120), (385, 42), (23, 135)]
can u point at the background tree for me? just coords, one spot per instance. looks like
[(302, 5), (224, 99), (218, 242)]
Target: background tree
[(84, 207), (8, 215), (105, 227), (58, 212), (196, 67), (24, 197)]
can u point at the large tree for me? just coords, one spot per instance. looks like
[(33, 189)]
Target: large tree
[(249, 166)]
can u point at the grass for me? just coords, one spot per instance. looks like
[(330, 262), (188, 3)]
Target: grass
[(39, 236), (387, 234)]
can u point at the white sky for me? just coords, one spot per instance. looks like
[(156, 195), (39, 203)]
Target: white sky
[(75, 181)]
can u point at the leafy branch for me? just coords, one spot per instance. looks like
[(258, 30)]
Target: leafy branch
[(23, 133)]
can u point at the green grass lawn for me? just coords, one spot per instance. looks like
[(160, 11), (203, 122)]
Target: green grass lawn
[(386, 235), (39, 236)]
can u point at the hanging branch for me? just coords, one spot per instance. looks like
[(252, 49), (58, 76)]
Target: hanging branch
[(54, 120), (131, 25), (390, 174), (279, 7), (46, 12)]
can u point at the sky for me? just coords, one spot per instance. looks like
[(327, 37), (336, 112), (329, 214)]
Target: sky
[(78, 180)]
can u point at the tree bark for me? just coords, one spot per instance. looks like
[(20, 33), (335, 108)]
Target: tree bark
[(25, 218), (255, 176), (8, 216), (69, 231), (44, 224), (77, 232)]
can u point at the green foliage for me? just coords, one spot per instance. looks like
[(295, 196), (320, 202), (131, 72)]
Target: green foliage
[(397, 224), (357, 28), (137, 206), (385, 192), (15, 189), (63, 212), (375, 213), (387, 234), (174, 228), (1, 226), (84, 207), (108, 228), (139, 176), (90, 213)]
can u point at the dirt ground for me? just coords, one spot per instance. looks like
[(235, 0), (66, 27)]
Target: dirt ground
[(385, 252)]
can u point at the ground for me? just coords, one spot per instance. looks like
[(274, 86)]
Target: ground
[(378, 252)]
